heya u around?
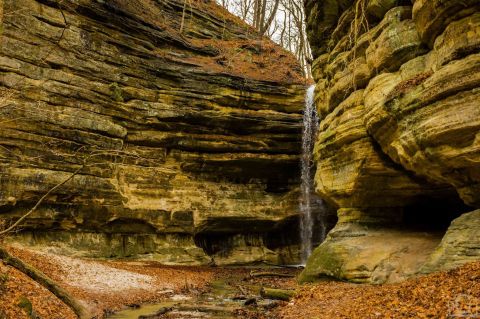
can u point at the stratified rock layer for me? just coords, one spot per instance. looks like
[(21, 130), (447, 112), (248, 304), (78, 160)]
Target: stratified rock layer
[(182, 133), (459, 245), (398, 150)]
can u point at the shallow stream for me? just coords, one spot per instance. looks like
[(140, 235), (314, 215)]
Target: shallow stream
[(217, 303), (224, 298)]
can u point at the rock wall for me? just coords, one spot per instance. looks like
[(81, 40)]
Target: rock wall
[(177, 128), (398, 150)]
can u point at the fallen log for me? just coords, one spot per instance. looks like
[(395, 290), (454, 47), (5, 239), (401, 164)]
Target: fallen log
[(157, 315), (45, 281), (277, 294), (285, 266), (269, 274)]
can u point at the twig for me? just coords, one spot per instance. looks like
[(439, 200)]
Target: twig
[(270, 274), (183, 15), (21, 219)]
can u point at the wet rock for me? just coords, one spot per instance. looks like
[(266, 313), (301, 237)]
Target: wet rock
[(250, 302)]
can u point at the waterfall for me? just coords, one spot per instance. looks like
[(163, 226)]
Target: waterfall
[(310, 124)]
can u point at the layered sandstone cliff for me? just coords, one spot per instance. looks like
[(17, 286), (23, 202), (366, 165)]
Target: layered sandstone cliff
[(181, 128), (398, 150)]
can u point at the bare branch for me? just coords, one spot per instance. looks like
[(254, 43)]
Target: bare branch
[(40, 201)]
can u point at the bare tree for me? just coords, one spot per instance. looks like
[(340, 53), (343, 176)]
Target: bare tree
[(281, 20), (302, 51), (1, 16), (245, 7), (260, 14)]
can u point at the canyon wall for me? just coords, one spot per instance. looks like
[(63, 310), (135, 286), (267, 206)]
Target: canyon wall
[(398, 149), (176, 130)]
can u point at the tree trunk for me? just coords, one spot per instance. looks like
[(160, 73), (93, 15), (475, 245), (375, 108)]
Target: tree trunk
[(278, 294), (45, 281), (256, 10), (282, 35), (1, 18), (267, 24), (261, 20)]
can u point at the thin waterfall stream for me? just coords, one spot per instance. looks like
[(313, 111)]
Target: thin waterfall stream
[(310, 125)]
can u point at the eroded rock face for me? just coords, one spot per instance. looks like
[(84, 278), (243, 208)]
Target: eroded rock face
[(460, 244), (175, 132), (398, 149)]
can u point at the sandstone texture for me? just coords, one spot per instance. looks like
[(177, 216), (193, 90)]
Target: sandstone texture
[(398, 149), (460, 244), (180, 129)]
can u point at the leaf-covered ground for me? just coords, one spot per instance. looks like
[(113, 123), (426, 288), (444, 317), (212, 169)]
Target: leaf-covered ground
[(451, 294), (103, 286), (16, 287), (111, 285)]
